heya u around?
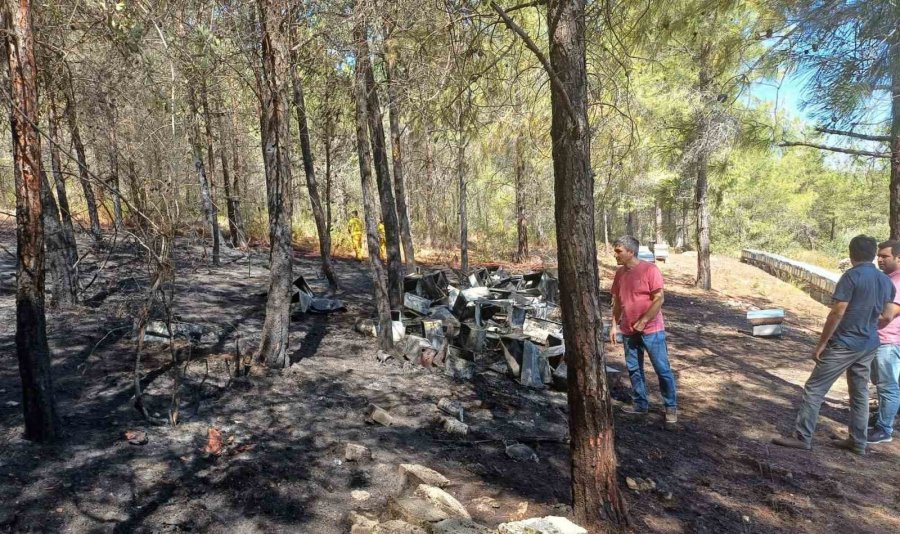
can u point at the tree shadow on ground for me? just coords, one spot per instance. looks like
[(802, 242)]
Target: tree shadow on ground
[(284, 471)]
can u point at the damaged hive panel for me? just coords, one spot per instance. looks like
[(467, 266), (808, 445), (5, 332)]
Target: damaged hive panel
[(504, 323)]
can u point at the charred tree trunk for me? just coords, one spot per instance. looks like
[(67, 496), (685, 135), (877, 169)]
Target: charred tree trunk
[(112, 147), (205, 196), (65, 289), (598, 505), (383, 178), (396, 150), (90, 199), (521, 226), (309, 169), (276, 157), (379, 278), (32, 350)]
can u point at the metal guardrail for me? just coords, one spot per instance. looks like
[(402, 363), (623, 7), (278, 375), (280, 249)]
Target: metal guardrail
[(819, 283)]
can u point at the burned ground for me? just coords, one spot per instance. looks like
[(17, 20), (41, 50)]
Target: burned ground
[(283, 467)]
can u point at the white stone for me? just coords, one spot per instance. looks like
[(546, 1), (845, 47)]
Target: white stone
[(442, 500), (356, 453), (541, 525), (415, 474), (415, 511)]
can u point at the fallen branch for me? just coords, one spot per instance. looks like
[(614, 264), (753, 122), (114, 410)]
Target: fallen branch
[(523, 439)]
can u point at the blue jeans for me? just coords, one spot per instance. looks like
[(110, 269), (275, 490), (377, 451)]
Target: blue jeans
[(885, 369), (655, 345)]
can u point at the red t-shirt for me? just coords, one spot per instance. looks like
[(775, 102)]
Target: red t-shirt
[(890, 334), (633, 288)]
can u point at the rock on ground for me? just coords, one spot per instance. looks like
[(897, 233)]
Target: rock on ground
[(542, 525)]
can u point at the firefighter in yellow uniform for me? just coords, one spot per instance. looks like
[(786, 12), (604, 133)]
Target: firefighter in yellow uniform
[(355, 227), (382, 251)]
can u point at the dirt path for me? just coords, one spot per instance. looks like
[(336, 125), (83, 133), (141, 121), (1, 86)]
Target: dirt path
[(285, 433)]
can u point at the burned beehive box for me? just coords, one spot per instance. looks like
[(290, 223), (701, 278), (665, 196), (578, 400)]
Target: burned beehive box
[(493, 321)]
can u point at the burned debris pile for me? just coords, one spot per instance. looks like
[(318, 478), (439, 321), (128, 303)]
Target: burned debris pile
[(507, 323)]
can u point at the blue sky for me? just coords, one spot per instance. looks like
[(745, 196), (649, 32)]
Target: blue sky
[(789, 95)]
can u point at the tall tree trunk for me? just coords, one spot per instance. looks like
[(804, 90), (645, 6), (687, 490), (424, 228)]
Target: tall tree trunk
[(276, 145), (630, 226), (58, 177), (379, 278), (430, 220), (704, 276), (226, 175), (138, 192), (112, 148), (462, 143), (659, 223), (65, 290), (701, 185), (396, 149), (70, 246), (463, 200), (211, 158), (598, 505), (328, 140), (239, 238), (209, 212), (32, 350), (71, 113), (309, 169), (383, 178), (606, 226), (521, 227), (895, 139)]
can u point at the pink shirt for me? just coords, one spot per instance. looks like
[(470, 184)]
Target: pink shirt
[(633, 288), (890, 334)]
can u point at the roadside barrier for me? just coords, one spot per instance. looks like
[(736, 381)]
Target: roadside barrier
[(819, 283)]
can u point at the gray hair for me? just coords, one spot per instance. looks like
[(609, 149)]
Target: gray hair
[(628, 243)]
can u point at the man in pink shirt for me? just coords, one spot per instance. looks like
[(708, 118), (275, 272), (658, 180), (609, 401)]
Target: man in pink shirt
[(886, 365), (637, 293)]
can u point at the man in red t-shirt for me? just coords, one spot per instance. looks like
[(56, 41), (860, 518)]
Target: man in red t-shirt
[(886, 365), (637, 293)]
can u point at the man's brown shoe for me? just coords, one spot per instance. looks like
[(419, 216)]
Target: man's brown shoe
[(849, 445), (791, 442), (671, 415)]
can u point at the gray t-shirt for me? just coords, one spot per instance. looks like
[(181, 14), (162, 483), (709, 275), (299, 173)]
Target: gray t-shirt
[(866, 290)]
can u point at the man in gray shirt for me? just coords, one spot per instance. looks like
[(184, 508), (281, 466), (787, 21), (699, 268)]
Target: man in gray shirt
[(849, 339)]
